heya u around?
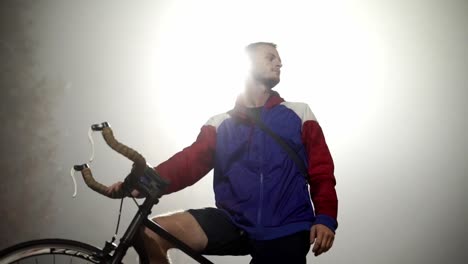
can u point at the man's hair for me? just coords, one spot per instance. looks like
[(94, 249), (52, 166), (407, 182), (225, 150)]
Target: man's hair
[(250, 49)]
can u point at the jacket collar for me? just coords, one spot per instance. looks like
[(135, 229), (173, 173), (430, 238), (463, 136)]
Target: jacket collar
[(241, 111)]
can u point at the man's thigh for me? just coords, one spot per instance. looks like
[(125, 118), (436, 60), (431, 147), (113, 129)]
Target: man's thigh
[(183, 226), (224, 238)]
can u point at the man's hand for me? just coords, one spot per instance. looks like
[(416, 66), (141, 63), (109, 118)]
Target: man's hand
[(322, 238), (116, 187)]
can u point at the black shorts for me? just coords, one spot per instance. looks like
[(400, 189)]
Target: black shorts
[(224, 238)]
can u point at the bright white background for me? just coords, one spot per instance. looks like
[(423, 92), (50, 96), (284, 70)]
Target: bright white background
[(386, 79)]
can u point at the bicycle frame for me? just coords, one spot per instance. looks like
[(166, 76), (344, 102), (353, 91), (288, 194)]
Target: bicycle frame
[(141, 218)]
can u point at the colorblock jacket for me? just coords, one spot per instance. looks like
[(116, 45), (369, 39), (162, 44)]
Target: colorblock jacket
[(255, 181)]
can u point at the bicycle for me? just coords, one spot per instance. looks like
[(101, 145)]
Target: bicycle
[(142, 177)]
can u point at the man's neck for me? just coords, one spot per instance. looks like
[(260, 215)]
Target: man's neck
[(256, 94)]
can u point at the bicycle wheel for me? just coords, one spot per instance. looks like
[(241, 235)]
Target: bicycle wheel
[(55, 251)]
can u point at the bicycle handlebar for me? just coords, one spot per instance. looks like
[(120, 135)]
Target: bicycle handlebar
[(138, 160)]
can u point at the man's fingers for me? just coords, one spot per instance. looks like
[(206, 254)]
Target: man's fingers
[(329, 243), (114, 187), (316, 248), (313, 234), (324, 238), (325, 245), (318, 242), (136, 194)]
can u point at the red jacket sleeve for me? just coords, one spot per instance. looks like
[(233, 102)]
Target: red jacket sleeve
[(192, 163), (321, 170)]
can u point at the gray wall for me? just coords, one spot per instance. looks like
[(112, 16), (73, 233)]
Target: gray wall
[(387, 81)]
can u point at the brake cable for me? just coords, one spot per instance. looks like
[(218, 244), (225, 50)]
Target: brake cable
[(91, 158), (118, 221)]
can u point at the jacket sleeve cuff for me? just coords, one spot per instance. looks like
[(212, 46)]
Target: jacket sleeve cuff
[(326, 220)]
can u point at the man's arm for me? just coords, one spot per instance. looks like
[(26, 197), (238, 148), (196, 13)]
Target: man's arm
[(187, 166), (322, 186), (192, 163), (321, 172), (320, 166)]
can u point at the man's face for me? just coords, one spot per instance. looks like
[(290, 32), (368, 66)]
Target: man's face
[(266, 65)]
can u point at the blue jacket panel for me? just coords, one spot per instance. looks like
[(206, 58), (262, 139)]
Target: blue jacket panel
[(256, 181)]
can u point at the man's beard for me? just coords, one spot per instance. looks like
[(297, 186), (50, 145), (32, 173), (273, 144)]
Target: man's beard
[(270, 82)]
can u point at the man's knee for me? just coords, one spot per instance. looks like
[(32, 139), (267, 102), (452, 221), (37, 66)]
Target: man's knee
[(153, 242)]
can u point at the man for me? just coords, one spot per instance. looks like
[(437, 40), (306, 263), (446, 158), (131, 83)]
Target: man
[(264, 202)]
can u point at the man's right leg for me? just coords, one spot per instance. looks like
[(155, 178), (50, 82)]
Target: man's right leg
[(288, 249), (183, 226)]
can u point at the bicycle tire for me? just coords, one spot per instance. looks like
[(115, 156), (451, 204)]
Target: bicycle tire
[(51, 251)]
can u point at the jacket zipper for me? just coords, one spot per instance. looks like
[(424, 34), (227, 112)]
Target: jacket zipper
[(259, 213), (260, 207)]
